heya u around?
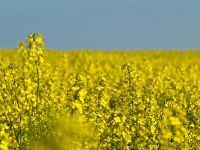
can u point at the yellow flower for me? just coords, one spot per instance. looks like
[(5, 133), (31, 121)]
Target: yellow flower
[(117, 119)]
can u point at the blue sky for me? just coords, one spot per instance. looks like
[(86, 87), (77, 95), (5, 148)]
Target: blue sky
[(103, 24)]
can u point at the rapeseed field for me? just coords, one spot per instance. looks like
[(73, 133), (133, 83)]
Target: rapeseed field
[(98, 100)]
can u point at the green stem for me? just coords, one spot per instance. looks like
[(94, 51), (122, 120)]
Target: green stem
[(38, 86), (112, 138), (37, 99), (101, 136), (20, 140), (131, 90)]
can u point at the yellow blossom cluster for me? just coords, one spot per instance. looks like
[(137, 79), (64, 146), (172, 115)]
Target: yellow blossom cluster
[(98, 100)]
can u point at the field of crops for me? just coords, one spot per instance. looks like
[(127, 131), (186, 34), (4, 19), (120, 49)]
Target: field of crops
[(98, 100)]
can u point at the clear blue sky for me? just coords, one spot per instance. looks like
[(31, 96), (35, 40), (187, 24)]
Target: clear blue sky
[(103, 24)]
